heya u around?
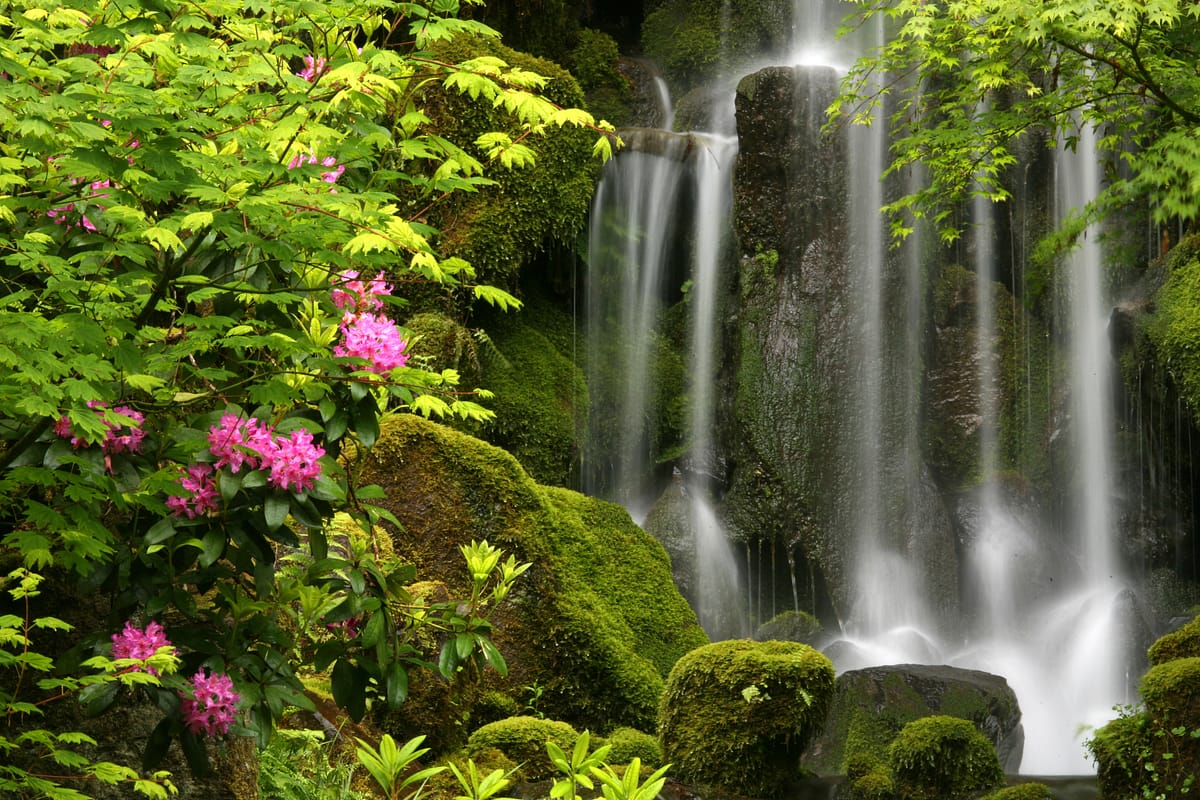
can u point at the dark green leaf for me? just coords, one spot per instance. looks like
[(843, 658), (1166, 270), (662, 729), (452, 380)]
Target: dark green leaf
[(275, 509), (397, 684)]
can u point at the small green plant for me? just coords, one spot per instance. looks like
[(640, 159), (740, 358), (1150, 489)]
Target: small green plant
[(302, 765), (391, 766), (480, 788), (577, 769), (583, 765), (534, 691)]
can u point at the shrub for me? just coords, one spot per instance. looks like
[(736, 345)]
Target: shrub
[(940, 758), (523, 739)]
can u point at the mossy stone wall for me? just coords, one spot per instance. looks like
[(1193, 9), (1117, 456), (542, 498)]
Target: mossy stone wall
[(596, 620)]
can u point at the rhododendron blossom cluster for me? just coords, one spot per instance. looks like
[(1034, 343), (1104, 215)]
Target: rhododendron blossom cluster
[(211, 704), (201, 484), (292, 462), (331, 176), (367, 334), (314, 67), (117, 438), (133, 642)]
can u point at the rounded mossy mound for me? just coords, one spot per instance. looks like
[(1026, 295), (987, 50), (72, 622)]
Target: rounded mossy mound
[(523, 739), (1022, 791), (1155, 747), (737, 714), (1172, 690), (630, 743), (1181, 643), (790, 626), (942, 758), (596, 621)]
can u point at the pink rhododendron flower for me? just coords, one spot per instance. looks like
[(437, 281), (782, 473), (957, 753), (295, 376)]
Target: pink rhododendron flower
[(238, 442), (117, 438), (293, 462), (375, 338), (314, 67), (201, 483), (211, 707), (355, 296), (301, 160), (134, 643)]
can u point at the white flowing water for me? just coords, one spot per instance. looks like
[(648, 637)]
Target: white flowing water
[(628, 250), (720, 606)]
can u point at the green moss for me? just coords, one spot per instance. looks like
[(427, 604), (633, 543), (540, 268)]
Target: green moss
[(1182, 643), (499, 228), (736, 714), (942, 758), (1174, 330), (630, 743), (597, 621), (541, 399), (491, 706), (441, 343), (1022, 791), (593, 62), (1172, 688), (790, 626), (691, 39), (523, 739), (874, 785)]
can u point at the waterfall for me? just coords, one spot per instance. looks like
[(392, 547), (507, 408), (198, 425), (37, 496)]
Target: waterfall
[(628, 253), (720, 606), (973, 572)]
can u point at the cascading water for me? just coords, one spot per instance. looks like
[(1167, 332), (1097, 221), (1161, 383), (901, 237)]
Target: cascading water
[(1027, 613), (720, 605), (628, 254)]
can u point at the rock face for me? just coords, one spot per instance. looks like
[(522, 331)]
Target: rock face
[(794, 425), (596, 620), (871, 706)]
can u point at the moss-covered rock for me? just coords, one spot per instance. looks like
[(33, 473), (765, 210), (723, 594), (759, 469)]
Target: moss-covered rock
[(1181, 643), (737, 714), (790, 626), (1154, 750), (523, 739), (1022, 791), (942, 758), (630, 743), (871, 706), (596, 620), (500, 227), (1174, 331), (595, 61), (541, 399), (692, 41)]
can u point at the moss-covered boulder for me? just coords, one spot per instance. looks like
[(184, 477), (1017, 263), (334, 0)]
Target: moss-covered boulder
[(523, 739), (790, 626), (541, 399), (871, 706), (737, 714), (942, 758), (630, 743), (1181, 643), (596, 621), (1154, 749), (1021, 791)]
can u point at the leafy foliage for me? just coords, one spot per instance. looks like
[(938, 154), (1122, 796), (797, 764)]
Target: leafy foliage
[(188, 195), (963, 80)]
